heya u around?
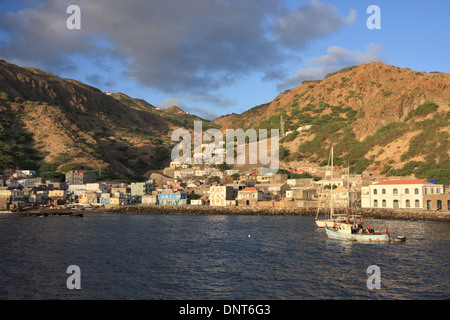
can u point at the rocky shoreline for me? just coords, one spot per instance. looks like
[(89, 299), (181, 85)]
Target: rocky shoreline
[(437, 216)]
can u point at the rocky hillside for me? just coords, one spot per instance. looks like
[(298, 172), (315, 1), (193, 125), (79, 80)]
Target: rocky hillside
[(53, 125), (378, 117)]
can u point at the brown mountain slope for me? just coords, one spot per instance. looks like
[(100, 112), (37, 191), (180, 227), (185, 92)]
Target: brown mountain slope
[(378, 117), (55, 124), (382, 93)]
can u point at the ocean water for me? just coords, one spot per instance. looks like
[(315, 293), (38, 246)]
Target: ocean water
[(216, 257)]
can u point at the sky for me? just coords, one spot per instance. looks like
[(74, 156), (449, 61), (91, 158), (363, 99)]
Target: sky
[(216, 57)]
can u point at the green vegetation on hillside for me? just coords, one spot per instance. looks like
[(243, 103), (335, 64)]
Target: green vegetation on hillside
[(16, 147), (335, 128)]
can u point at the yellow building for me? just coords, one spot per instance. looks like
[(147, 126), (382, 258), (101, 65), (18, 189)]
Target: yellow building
[(88, 197)]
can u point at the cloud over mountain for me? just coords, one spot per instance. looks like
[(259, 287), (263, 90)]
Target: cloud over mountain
[(336, 58), (186, 47)]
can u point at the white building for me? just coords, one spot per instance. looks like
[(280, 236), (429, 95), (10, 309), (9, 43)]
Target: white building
[(97, 187), (218, 195), (197, 202), (398, 194), (325, 182), (175, 164), (26, 182), (150, 199), (25, 174)]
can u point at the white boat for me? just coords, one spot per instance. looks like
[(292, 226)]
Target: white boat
[(355, 232)]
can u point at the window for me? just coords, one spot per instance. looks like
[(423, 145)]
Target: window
[(383, 203), (406, 191), (383, 191), (416, 191), (417, 204), (408, 203), (375, 203), (395, 191), (375, 191)]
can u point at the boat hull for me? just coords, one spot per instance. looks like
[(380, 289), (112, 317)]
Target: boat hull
[(368, 237)]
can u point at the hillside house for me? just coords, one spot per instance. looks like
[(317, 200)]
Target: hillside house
[(175, 198), (80, 177), (14, 194), (249, 197), (138, 189), (57, 195), (264, 178), (278, 189), (150, 199), (88, 197), (219, 195)]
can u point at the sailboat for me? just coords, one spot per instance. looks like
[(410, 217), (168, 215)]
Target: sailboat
[(333, 218)]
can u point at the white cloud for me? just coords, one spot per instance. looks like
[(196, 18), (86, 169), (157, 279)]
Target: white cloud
[(169, 102), (335, 59), (350, 19)]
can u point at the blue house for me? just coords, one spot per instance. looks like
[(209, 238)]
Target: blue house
[(104, 200), (173, 198)]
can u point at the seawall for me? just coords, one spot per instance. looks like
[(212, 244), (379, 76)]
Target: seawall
[(366, 213)]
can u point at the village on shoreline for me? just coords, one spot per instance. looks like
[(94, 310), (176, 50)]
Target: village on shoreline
[(187, 189)]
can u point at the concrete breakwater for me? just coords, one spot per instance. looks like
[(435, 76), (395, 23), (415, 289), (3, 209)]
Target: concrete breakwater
[(366, 213), (48, 213)]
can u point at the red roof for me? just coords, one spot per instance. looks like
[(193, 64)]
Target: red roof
[(411, 181), (250, 189)]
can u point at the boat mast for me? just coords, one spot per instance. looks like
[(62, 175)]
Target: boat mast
[(348, 187), (331, 193)]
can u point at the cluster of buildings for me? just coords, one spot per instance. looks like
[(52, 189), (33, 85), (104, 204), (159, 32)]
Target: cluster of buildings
[(191, 186)]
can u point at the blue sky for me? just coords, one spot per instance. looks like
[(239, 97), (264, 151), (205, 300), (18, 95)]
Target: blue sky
[(215, 57)]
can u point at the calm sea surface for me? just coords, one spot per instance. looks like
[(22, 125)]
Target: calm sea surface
[(138, 256)]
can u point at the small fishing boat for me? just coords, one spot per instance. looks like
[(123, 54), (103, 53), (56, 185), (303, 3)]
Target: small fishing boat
[(355, 232), (398, 238)]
